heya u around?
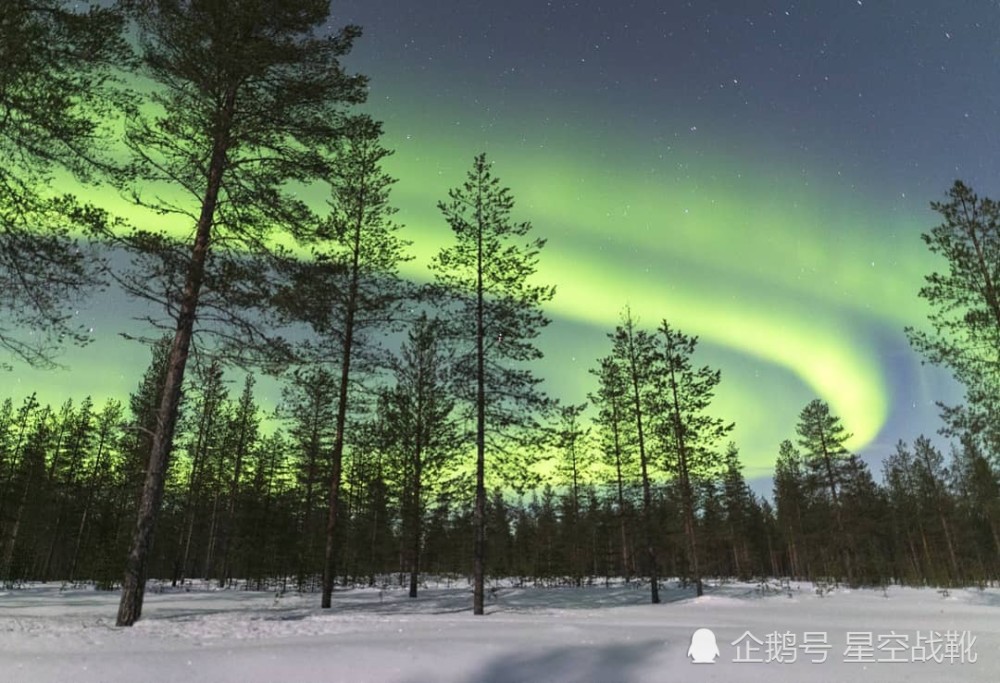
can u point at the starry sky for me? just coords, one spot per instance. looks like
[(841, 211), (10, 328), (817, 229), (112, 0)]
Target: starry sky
[(756, 172)]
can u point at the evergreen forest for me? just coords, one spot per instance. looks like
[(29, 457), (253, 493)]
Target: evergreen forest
[(413, 436)]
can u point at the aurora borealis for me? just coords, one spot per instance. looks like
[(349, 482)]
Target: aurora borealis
[(758, 173)]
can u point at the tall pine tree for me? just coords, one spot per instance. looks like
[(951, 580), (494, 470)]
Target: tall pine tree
[(244, 98), (634, 352), (688, 434), (827, 463), (497, 312)]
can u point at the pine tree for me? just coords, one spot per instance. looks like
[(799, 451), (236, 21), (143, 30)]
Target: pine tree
[(54, 70), (265, 559), (108, 423), (19, 424), (243, 429), (205, 446), (611, 400), (28, 493), (688, 434), (738, 501), (498, 312), (822, 438), (904, 507), (64, 471), (634, 352), (965, 315), (352, 288), (790, 497), (245, 98), (417, 414), (571, 441), (864, 508), (134, 443), (310, 403), (976, 482), (931, 477)]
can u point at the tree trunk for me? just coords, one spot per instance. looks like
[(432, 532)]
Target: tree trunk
[(956, 572), (415, 548), (575, 530), (931, 569), (621, 494), (305, 544), (479, 512), (213, 528), (329, 562)]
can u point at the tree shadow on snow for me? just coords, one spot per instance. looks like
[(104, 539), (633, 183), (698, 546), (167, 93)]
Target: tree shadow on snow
[(571, 664)]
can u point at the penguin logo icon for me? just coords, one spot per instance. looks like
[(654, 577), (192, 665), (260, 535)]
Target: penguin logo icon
[(703, 648)]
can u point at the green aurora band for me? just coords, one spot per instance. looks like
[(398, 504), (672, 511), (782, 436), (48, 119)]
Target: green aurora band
[(787, 285), (746, 254)]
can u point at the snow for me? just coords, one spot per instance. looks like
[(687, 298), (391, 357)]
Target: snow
[(597, 633)]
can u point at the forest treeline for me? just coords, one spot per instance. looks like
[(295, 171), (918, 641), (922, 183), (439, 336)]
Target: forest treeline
[(245, 506), (215, 119)]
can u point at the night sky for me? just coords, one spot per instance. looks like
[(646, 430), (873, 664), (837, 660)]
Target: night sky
[(758, 173)]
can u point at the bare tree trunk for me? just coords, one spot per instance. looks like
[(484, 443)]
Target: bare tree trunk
[(415, 547), (914, 558), (693, 549), (956, 572), (372, 543), (575, 529), (181, 568), (329, 563), (996, 536), (212, 532)]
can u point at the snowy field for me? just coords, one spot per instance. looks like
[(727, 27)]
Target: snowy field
[(528, 634)]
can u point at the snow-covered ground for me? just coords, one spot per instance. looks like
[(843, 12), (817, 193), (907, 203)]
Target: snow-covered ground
[(529, 634)]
